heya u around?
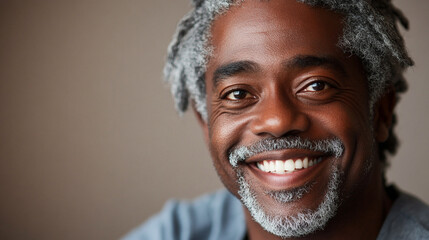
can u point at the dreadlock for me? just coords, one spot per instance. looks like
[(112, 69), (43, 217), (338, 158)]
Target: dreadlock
[(370, 33)]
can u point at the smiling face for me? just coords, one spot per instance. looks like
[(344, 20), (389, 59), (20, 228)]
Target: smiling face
[(278, 79)]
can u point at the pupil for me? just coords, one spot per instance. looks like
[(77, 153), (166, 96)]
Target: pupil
[(239, 94), (318, 86)]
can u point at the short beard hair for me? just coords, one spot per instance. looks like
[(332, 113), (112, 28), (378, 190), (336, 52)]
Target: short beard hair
[(292, 195), (305, 222), (332, 147)]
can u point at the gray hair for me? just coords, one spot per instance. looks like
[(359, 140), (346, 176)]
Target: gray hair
[(332, 147), (370, 33), (301, 224)]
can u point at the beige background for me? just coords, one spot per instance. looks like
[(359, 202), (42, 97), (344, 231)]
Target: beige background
[(90, 144)]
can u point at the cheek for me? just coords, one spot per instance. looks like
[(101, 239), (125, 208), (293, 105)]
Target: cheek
[(350, 123), (350, 113), (346, 114), (226, 131)]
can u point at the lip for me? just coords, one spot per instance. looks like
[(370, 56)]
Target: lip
[(287, 181)]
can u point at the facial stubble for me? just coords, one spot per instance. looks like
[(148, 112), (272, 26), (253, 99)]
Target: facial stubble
[(307, 220), (304, 222)]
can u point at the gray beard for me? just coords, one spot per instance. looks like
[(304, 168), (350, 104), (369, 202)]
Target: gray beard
[(292, 195), (303, 223)]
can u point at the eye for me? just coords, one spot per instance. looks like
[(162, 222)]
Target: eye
[(316, 86), (238, 95)]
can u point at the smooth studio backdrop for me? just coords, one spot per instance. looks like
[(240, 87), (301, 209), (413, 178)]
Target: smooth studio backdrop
[(90, 144)]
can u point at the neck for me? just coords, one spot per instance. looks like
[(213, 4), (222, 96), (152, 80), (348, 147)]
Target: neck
[(366, 209)]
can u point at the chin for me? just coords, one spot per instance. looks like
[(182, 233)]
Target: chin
[(293, 212)]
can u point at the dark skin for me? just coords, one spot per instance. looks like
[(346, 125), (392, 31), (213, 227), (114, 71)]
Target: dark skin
[(276, 71)]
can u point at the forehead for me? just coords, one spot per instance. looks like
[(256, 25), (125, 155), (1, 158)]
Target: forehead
[(266, 28)]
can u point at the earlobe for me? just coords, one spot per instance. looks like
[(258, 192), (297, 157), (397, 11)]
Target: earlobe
[(383, 114), (202, 123)]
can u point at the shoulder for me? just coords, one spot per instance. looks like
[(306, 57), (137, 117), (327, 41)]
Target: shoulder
[(407, 219), (218, 215)]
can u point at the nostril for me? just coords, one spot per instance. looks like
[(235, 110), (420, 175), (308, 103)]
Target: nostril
[(280, 125), (276, 115)]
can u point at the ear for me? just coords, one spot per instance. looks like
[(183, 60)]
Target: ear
[(383, 113), (203, 124)]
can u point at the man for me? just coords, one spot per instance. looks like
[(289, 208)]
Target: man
[(296, 102)]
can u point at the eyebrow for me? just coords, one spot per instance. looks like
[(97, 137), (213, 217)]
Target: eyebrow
[(232, 69), (305, 61), (300, 61)]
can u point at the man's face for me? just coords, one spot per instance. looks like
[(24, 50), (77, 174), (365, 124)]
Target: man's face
[(276, 71)]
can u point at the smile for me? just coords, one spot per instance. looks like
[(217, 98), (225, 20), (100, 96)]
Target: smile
[(288, 169), (287, 166)]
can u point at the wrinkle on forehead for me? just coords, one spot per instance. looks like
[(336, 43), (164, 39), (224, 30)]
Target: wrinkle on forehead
[(254, 26)]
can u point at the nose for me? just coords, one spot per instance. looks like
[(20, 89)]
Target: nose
[(277, 116)]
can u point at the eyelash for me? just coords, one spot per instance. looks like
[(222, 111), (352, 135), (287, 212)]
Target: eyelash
[(248, 95), (325, 86), (225, 96)]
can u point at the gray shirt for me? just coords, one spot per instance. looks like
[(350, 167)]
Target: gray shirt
[(220, 216), (407, 219)]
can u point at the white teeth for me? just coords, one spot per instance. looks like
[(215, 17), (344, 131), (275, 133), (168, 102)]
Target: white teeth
[(260, 166), (272, 166), (298, 164), (266, 166), (280, 166), (289, 165), (305, 162)]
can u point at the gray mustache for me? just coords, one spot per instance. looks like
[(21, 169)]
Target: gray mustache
[(332, 146)]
